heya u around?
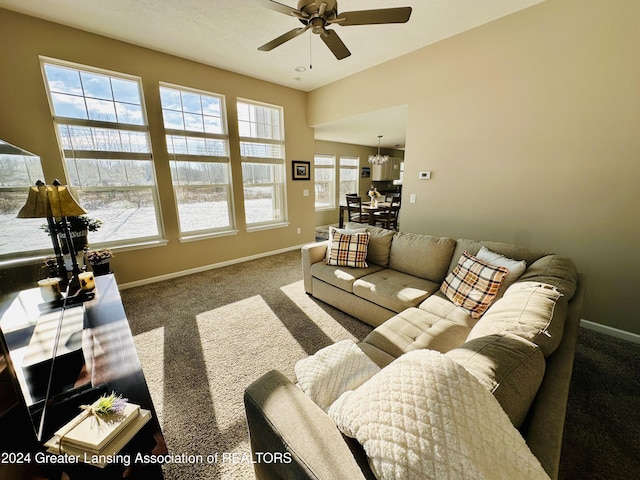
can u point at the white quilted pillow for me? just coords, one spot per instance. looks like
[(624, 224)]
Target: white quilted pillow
[(425, 417), (333, 370)]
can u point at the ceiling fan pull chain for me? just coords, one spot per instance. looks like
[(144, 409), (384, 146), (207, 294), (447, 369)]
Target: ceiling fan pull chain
[(310, 50)]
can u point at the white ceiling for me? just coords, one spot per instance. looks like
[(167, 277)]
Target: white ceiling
[(227, 34)]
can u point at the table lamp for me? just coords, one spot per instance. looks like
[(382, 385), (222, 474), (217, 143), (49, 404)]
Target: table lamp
[(52, 202)]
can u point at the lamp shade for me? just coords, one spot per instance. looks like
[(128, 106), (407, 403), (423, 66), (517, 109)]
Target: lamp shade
[(45, 201)]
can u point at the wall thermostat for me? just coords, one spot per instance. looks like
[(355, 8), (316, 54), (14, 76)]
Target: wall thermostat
[(424, 174)]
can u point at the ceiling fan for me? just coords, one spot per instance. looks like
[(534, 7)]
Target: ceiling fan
[(318, 14)]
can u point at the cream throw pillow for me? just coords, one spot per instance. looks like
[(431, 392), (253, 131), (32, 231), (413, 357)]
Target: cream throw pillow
[(516, 267)]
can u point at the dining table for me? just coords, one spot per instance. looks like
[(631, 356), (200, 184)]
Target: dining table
[(367, 207)]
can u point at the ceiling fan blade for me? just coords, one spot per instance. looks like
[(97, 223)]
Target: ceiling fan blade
[(333, 41), (279, 7), (276, 42), (373, 17)]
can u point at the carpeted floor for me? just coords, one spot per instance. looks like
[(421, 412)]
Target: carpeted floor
[(602, 429), (203, 338)]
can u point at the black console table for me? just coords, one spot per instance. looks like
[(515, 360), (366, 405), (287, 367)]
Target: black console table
[(96, 355)]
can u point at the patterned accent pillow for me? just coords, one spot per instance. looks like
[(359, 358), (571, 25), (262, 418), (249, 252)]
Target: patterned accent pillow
[(473, 284), (347, 231), (349, 250)]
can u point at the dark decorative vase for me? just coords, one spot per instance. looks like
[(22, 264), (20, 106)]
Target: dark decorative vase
[(101, 268), (79, 240)]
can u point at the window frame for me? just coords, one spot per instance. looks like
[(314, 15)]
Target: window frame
[(171, 133), (72, 155), (330, 183), (341, 167), (279, 182)]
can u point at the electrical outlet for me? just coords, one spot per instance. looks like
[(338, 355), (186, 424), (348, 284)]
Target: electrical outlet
[(305, 193), (424, 175), (298, 231)]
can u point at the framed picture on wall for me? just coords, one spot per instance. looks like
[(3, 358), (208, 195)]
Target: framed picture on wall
[(301, 170)]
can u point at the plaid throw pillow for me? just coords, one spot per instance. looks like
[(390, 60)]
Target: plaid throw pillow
[(349, 250), (473, 284)]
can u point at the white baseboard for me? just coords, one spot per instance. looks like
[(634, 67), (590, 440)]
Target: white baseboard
[(614, 332), (204, 268)]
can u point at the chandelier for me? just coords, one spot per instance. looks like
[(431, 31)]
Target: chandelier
[(378, 159)]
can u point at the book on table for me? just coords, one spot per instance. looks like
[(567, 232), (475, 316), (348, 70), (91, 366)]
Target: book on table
[(93, 434)]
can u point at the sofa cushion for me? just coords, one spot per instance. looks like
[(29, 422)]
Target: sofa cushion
[(379, 243), (439, 305), (555, 270), (530, 310), (423, 256), (511, 251), (341, 277), (509, 367), (473, 284), (414, 329), (393, 290), (348, 250)]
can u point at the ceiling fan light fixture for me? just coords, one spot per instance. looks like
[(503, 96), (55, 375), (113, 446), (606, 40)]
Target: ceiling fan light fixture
[(317, 15), (378, 159)]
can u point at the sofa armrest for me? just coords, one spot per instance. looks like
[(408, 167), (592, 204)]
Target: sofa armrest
[(545, 426), (291, 437), (312, 253)]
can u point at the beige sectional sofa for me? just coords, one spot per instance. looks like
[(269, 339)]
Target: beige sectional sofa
[(520, 349)]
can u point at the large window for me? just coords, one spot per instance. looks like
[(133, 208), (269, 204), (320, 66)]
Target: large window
[(325, 181), (261, 129), (18, 171), (102, 130), (349, 176), (198, 146)]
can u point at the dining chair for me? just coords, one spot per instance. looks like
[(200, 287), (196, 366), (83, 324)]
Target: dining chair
[(389, 217), (354, 210)]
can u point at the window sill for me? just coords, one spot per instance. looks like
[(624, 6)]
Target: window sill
[(205, 236), (37, 258), (271, 226), (134, 246)]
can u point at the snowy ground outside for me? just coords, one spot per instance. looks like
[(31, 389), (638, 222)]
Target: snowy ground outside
[(19, 235)]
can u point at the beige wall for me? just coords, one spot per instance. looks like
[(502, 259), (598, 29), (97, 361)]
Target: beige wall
[(26, 121), (530, 127)]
